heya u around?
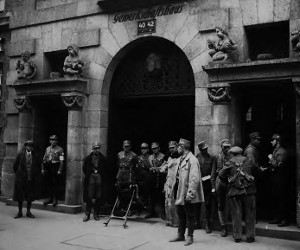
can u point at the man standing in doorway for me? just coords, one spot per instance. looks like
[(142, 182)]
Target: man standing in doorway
[(279, 181), (24, 166), (156, 181), (52, 166), (188, 191), (208, 168), (95, 173)]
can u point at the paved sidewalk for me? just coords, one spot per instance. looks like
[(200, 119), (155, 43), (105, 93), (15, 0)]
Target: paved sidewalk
[(51, 231)]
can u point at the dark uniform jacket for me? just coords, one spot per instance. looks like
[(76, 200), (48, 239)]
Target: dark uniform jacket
[(229, 170), (127, 167), (279, 160), (23, 175), (207, 167), (87, 170)]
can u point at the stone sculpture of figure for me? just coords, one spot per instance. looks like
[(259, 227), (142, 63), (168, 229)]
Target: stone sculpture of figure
[(295, 40), (27, 68), (73, 65), (220, 49)]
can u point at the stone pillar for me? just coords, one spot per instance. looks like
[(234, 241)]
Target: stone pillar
[(220, 96), (25, 130), (74, 156), (297, 89)]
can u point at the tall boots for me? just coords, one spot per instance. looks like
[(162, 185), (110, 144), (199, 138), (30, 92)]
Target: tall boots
[(87, 217), (223, 223)]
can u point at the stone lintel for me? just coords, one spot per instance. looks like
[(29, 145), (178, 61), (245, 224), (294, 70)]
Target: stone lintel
[(51, 87), (267, 70), (16, 48)]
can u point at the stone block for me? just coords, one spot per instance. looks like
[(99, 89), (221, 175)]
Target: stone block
[(201, 79), (24, 135), (220, 114), (47, 41), (87, 38), (74, 135), (199, 61), (265, 10), (94, 86), (203, 115), (175, 22), (209, 19), (94, 102), (95, 71), (11, 149), (73, 191), (197, 7), (16, 48), (108, 42), (196, 46), (187, 32), (7, 184), (202, 132), (104, 119), (10, 107), (102, 57), (11, 131), (103, 136), (295, 9), (26, 120), (229, 4), (236, 17), (7, 166), (282, 10), (56, 36), (74, 153), (92, 118), (119, 31), (97, 21), (249, 12), (86, 7), (104, 102), (75, 118), (74, 168), (68, 36), (161, 25), (93, 135), (201, 97)]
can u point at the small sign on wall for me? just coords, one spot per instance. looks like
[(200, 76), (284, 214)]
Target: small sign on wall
[(146, 26)]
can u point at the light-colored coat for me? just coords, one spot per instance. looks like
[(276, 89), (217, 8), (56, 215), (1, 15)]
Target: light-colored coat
[(189, 181)]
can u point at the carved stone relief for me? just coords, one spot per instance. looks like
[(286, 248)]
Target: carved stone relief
[(22, 104), (73, 102), (219, 94)]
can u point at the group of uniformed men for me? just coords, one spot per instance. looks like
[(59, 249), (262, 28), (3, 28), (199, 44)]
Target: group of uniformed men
[(229, 175)]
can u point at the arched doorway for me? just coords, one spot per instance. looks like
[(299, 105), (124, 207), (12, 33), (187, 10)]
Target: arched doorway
[(152, 96)]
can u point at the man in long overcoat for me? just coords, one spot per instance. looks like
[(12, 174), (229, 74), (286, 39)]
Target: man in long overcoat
[(187, 190), (24, 168), (95, 173)]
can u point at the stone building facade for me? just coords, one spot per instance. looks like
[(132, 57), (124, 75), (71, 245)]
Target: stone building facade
[(150, 81)]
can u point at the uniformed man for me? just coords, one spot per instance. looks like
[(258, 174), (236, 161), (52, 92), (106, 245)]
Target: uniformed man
[(156, 181), (95, 173), (221, 185), (279, 181), (52, 166), (127, 166), (143, 167), (207, 167)]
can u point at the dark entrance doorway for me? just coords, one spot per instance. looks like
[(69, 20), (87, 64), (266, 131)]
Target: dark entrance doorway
[(50, 117), (152, 96), (270, 108)]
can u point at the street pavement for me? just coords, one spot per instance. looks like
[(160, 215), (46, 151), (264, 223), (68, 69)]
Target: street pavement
[(51, 231)]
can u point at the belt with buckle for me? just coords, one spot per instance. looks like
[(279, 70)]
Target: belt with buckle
[(95, 172)]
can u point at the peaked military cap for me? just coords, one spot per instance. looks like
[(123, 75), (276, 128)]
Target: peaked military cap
[(172, 144), (184, 142), (276, 137), (126, 143), (154, 145), (254, 135), (96, 145), (202, 145), (54, 137), (235, 150), (28, 143), (225, 143), (144, 145)]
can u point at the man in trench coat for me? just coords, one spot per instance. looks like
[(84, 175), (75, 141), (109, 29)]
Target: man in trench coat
[(187, 190)]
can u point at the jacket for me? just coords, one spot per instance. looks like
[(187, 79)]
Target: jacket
[(190, 183)]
